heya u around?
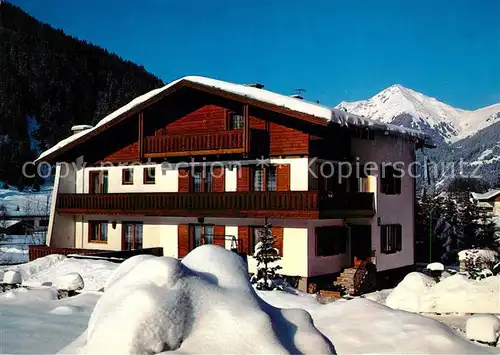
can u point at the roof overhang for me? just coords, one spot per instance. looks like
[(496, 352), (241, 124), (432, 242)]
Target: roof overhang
[(305, 111)]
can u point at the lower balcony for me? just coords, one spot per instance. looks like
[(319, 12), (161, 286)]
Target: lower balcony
[(279, 204)]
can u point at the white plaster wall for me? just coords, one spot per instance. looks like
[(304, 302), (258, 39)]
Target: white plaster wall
[(61, 230), (397, 209), (496, 208), (299, 173), (322, 265), (157, 232), (295, 247), (166, 180), (231, 179)]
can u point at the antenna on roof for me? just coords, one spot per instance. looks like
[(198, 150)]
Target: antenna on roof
[(298, 94)]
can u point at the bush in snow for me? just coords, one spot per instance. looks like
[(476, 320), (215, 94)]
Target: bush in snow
[(478, 263), (12, 277), (483, 327), (266, 254), (70, 282)]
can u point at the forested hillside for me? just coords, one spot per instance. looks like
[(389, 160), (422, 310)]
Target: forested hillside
[(50, 81)]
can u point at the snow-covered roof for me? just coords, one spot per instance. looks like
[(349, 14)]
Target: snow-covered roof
[(487, 195), (290, 103)]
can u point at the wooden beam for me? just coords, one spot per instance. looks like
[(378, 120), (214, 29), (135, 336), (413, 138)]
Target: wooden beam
[(246, 127), (141, 136)]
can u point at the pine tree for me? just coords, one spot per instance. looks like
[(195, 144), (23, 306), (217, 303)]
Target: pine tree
[(267, 257), (448, 230), (487, 237)]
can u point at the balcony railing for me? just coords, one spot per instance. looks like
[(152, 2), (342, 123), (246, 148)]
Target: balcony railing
[(187, 144), (279, 204)]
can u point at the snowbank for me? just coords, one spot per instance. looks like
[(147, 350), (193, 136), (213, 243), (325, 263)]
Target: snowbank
[(225, 315), (362, 326), (483, 327), (408, 292), (47, 271), (203, 304), (454, 294)]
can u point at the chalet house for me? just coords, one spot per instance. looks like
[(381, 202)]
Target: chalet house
[(203, 161), (490, 201)]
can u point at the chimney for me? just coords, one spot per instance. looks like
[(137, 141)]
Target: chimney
[(79, 128), (296, 96), (256, 85)]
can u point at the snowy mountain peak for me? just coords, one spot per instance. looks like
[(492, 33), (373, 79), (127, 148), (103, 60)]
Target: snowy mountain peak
[(406, 107)]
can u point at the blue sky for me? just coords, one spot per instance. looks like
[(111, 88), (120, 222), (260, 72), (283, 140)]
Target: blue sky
[(336, 50)]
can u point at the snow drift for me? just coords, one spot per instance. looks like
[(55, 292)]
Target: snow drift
[(202, 304), (454, 294)]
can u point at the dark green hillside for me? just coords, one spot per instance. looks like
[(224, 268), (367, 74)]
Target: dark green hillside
[(50, 81)]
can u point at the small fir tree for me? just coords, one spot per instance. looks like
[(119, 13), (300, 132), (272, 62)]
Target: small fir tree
[(267, 257)]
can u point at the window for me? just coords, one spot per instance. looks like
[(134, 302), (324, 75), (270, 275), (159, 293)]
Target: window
[(132, 235), (391, 238), (149, 175), (258, 178), (271, 178), (43, 223), (236, 121), (331, 241), (254, 238), (98, 182), (390, 181), (201, 234), (128, 176), (98, 231), (264, 178), (201, 180)]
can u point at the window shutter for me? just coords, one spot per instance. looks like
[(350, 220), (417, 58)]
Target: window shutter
[(278, 232), (397, 185), (383, 239), (243, 178), (219, 237), (183, 240), (184, 179), (218, 179), (399, 237), (283, 177), (243, 239)]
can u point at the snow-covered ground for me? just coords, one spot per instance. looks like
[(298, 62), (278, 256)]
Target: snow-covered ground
[(26, 203), (14, 248), (208, 293)]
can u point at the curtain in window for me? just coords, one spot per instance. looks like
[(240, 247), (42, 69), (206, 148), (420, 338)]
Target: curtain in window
[(197, 236), (209, 234), (128, 235), (271, 178), (197, 180), (104, 231), (208, 181), (258, 179), (138, 236), (105, 182)]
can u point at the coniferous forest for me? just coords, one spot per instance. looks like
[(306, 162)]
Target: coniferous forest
[(50, 81)]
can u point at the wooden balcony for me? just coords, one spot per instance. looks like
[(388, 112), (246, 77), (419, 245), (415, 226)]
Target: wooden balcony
[(226, 142), (282, 204)]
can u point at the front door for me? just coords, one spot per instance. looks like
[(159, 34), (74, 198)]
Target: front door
[(132, 235), (361, 242)]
